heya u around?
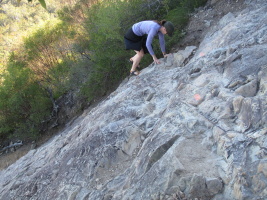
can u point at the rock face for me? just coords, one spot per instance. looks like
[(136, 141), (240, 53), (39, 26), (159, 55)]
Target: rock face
[(191, 127)]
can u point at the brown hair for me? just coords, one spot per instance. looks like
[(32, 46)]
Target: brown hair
[(162, 22)]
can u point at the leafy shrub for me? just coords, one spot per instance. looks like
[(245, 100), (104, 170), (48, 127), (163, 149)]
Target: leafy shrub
[(23, 104), (44, 69), (50, 56), (190, 5)]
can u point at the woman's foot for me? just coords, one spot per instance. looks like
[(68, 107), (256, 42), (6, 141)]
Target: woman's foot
[(134, 73)]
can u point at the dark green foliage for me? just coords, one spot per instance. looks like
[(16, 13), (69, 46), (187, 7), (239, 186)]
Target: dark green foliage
[(23, 104), (106, 47), (190, 5), (179, 17), (42, 2)]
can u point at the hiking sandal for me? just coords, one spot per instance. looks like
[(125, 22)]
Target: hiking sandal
[(134, 73)]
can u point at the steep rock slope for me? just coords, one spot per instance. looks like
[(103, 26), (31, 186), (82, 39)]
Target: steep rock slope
[(192, 127)]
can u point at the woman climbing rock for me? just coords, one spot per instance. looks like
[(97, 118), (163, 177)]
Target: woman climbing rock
[(140, 36)]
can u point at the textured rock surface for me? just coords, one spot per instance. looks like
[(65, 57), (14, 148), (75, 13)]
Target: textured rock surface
[(191, 127)]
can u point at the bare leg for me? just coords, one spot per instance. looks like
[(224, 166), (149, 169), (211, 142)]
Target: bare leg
[(136, 59), (132, 58)]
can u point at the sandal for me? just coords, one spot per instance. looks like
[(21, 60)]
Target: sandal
[(134, 73)]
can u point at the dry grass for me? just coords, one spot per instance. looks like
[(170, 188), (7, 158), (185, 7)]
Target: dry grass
[(11, 157)]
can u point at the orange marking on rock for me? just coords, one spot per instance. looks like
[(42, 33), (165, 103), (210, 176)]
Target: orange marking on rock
[(202, 54), (197, 97)]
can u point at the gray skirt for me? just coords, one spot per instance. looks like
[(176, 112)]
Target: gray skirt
[(135, 42)]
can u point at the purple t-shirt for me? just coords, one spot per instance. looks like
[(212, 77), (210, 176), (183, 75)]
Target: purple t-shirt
[(150, 28)]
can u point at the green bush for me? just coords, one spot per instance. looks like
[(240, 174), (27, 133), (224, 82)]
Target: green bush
[(23, 104), (50, 55), (190, 5), (106, 47)]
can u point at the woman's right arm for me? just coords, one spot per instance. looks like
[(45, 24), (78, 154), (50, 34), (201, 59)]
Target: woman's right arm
[(149, 46)]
